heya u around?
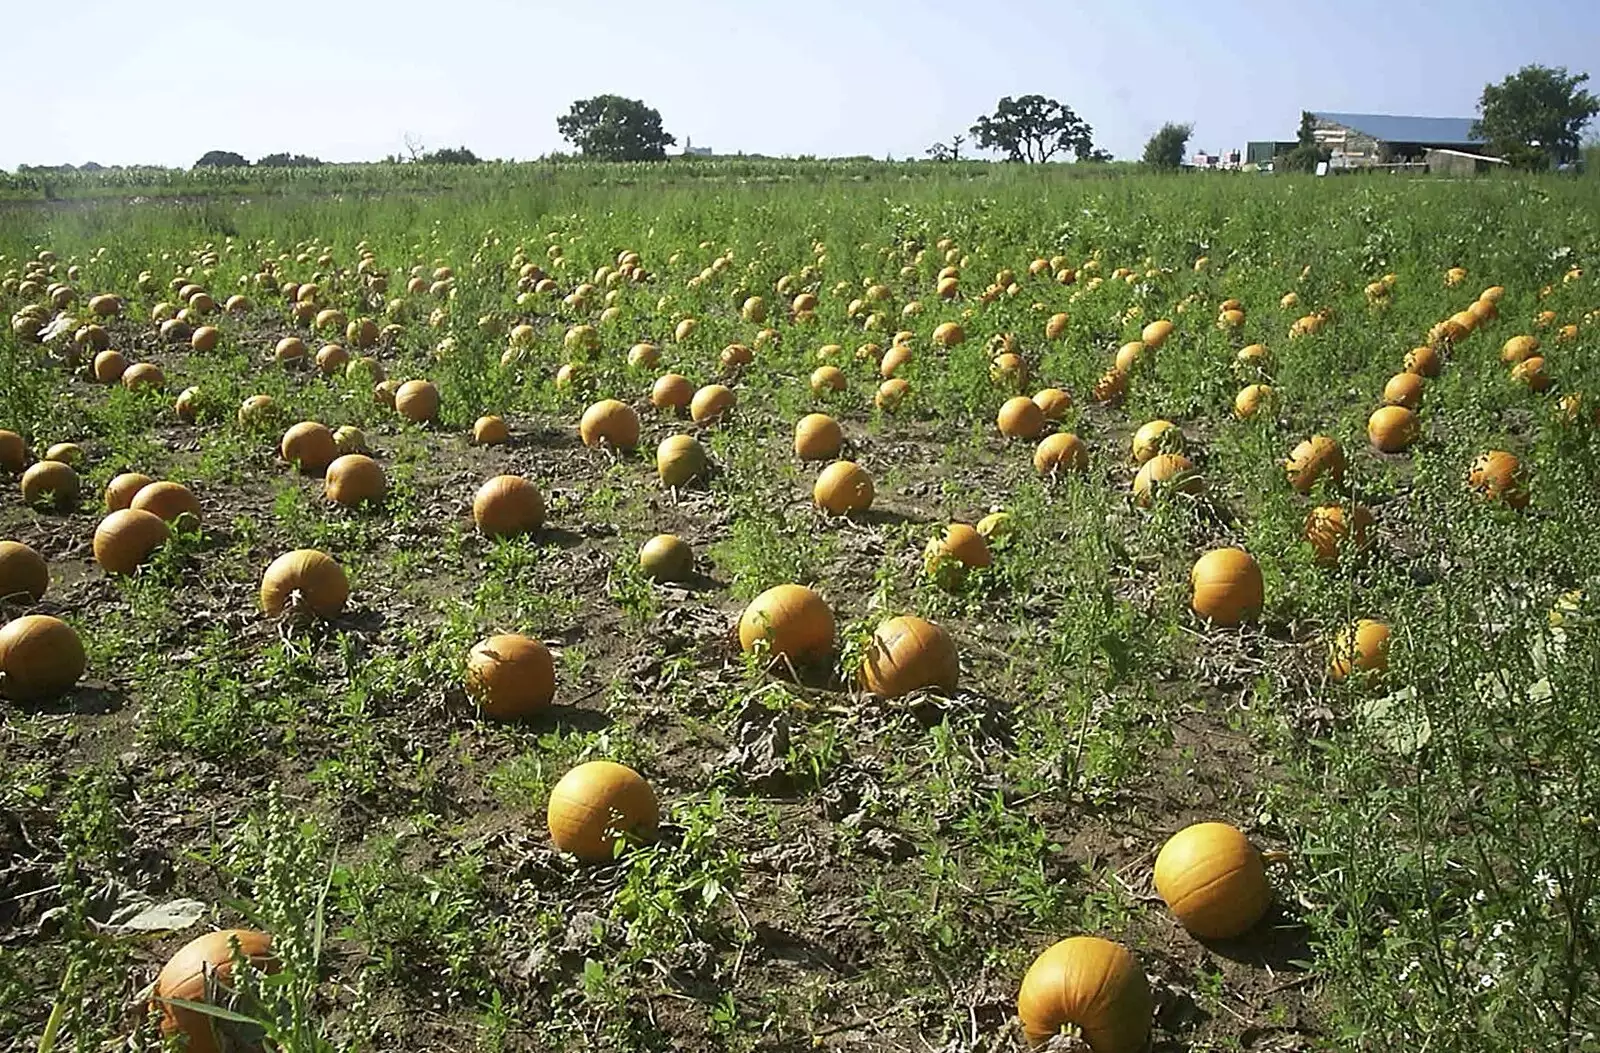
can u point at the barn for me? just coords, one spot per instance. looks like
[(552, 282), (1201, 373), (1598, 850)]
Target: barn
[(1359, 140)]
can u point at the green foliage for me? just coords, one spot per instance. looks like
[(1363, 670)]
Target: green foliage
[(612, 128), (1034, 129), (1165, 149), (1534, 117)]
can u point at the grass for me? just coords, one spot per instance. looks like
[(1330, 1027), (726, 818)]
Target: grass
[(832, 868)]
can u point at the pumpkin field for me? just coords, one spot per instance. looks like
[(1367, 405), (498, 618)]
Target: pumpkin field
[(883, 608)]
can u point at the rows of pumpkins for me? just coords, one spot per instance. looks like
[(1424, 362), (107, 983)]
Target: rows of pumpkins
[(1211, 877)]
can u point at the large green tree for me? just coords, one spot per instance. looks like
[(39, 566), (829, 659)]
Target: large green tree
[(1534, 117), (1165, 148), (611, 128), (1034, 128)]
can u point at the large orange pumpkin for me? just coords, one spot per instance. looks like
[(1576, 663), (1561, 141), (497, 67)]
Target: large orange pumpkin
[(1423, 361), (172, 502), (417, 401), (1359, 648), (508, 505), (40, 658), (1158, 436), (1403, 389), (842, 488), (126, 538), (302, 582), (490, 430), (50, 482), (711, 403), (121, 490), (353, 479), (680, 460), (1498, 476), (1061, 452), (1227, 585), (891, 393), (671, 391), (1213, 880), (597, 804), (24, 575), (908, 654), (1020, 418), (1518, 349), (817, 437), (201, 969), (1330, 529), (1163, 473), (1052, 402), (510, 676), (947, 558), (611, 422), (142, 375), (1092, 985), (1156, 333), (309, 446), (1312, 459), (793, 620), (13, 452), (1391, 429)]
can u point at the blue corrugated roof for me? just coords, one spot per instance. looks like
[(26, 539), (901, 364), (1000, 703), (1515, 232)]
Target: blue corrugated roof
[(1390, 129)]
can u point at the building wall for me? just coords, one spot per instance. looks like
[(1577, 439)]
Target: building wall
[(1348, 146)]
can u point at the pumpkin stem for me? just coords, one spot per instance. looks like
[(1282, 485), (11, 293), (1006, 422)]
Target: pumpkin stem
[(1069, 1040), (1277, 857)]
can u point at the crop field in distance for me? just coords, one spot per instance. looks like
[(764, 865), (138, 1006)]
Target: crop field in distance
[(1343, 600)]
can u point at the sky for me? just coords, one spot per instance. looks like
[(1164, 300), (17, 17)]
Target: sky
[(354, 80)]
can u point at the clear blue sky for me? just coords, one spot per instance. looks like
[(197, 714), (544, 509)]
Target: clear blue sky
[(346, 80)]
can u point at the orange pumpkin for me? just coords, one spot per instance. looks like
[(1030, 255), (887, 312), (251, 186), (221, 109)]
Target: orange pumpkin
[(507, 505), (891, 393), (817, 437), (843, 487), (1329, 529), (1423, 361), (666, 557), (291, 350), (908, 654), (1158, 436), (353, 479), (40, 658), (309, 446), (1091, 985), (793, 620), (1518, 349), (202, 968), (1111, 387), (171, 502), (490, 430), (24, 575), (947, 558), (827, 378), (711, 403), (1392, 429), (1403, 389), (257, 409), (1251, 399), (121, 490), (1163, 473), (680, 460), (610, 422), (1213, 880), (1156, 333), (597, 805), (949, 334), (1359, 648), (510, 676), (1227, 586), (13, 452), (1061, 452), (1531, 373), (1498, 476), (303, 582), (142, 375), (1052, 402), (331, 359), (109, 366), (417, 401), (1312, 459), (672, 392), (1020, 418), (126, 538), (50, 482)]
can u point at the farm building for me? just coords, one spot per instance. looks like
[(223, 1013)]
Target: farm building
[(1363, 140)]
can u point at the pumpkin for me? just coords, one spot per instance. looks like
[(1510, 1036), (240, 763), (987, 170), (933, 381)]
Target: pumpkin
[(842, 488), (1128, 356), (507, 505), (197, 972), (1251, 355), (50, 482), (1498, 476), (908, 654), (13, 452), (1423, 361), (817, 437), (24, 575), (65, 452), (793, 620), (1213, 880), (1330, 527), (1052, 402), (1403, 389), (1008, 369), (1531, 372), (257, 409), (891, 393), (671, 391), (610, 422), (291, 350), (1251, 400), (366, 367), (1518, 349), (644, 356), (40, 658), (1112, 386), (109, 366), (417, 401), (1056, 327), (735, 356), (666, 557), (1359, 648), (1156, 333), (126, 538), (947, 558), (309, 446), (949, 334), (143, 375), (170, 502), (1312, 459), (187, 405), (1391, 429), (996, 527), (680, 460), (304, 581), (827, 378), (510, 676), (1061, 452), (348, 438), (331, 359), (897, 356), (1020, 418), (597, 805), (1163, 473), (354, 478), (1092, 985), (490, 431), (1227, 586), (121, 490), (710, 403), (1158, 436)]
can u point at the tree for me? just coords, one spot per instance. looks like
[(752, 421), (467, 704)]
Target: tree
[(1165, 148), (1307, 154), (222, 159), (460, 155), (950, 151), (289, 161), (611, 128), (1534, 117), (1034, 128)]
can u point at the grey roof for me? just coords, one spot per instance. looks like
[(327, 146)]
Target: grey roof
[(1454, 131)]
